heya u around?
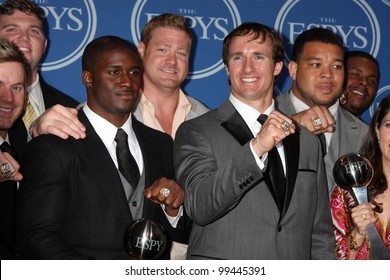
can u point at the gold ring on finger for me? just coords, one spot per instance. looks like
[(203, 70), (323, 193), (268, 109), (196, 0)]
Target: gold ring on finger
[(285, 126), (317, 122), (5, 168)]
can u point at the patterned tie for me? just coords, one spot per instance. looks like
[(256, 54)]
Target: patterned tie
[(126, 162), (29, 115), (274, 172)]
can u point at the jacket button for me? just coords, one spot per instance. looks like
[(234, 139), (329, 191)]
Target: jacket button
[(279, 228), (134, 203)]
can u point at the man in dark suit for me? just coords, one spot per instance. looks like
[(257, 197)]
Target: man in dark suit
[(23, 23), (317, 70), (255, 185), (14, 72), (82, 203)]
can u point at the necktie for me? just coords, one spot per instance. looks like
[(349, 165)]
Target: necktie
[(274, 172), (5, 147), (126, 162), (323, 143), (29, 115)]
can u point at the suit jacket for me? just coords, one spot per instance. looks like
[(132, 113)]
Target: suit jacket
[(18, 139), (79, 206), (233, 210), (348, 136)]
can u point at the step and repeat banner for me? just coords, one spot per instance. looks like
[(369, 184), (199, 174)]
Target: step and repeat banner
[(361, 24)]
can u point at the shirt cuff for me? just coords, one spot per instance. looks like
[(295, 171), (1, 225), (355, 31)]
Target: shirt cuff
[(260, 161), (173, 220)]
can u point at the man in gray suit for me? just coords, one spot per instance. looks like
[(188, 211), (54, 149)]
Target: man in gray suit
[(226, 160), (317, 70)]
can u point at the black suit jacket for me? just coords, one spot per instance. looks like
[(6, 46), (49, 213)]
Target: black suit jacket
[(71, 204), (18, 139)]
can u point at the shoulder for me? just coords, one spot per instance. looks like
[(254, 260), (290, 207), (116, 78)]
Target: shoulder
[(349, 117), (143, 130), (197, 108), (58, 96)]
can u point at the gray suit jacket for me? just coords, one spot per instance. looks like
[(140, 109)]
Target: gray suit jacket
[(233, 210), (348, 136)]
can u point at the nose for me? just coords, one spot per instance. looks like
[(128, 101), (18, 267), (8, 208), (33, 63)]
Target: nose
[(248, 66), (171, 58), (326, 73), (6, 94), (363, 81), (126, 80)]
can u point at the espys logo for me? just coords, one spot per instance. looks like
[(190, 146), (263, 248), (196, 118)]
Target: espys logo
[(382, 93), (210, 27), (354, 21), (72, 24)]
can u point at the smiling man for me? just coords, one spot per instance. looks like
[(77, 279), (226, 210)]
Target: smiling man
[(255, 182), (23, 23), (361, 81)]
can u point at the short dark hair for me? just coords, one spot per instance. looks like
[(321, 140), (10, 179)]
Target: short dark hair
[(258, 31), (27, 7), (10, 53), (320, 35), (366, 55), (102, 44)]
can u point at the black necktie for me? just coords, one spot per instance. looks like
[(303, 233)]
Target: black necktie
[(126, 162), (275, 172), (5, 147), (323, 143)]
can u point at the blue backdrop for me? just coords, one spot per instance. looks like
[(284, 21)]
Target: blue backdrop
[(363, 25)]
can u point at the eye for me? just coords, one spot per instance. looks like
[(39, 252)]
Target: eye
[(338, 66), (373, 82), (114, 72), (182, 53), (17, 88), (258, 57), (135, 73), (315, 65)]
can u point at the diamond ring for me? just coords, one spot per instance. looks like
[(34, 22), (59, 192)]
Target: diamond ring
[(165, 192), (285, 126), (5, 168), (317, 122)]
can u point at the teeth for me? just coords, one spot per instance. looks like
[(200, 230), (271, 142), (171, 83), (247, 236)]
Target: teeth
[(5, 110), (249, 80), (358, 92), (23, 49)]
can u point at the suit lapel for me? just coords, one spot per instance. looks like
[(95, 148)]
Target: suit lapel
[(235, 124), (291, 151), (104, 172)]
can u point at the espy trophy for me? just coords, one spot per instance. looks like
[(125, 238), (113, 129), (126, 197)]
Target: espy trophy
[(354, 172), (145, 239)]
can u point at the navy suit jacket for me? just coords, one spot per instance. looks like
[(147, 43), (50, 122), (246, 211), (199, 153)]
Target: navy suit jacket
[(80, 210)]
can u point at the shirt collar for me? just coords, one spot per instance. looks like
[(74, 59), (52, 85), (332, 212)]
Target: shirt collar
[(300, 106), (107, 130)]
